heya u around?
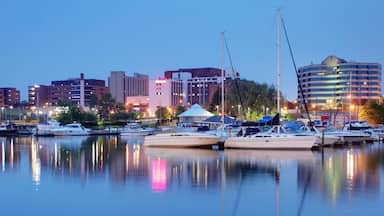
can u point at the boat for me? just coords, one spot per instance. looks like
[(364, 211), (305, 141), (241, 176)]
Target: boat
[(348, 136), (74, 129), (46, 128), (181, 140), (7, 129), (273, 139), (132, 129)]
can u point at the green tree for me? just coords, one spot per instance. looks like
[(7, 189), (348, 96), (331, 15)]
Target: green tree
[(373, 112), (93, 101), (163, 113), (179, 109), (257, 98), (107, 105)]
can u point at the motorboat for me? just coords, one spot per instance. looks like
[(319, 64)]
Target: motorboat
[(132, 129), (274, 138), (74, 129), (7, 129), (181, 140), (46, 128), (348, 136)]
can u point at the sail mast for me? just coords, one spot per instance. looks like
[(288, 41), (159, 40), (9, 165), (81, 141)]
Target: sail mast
[(222, 78), (278, 38)]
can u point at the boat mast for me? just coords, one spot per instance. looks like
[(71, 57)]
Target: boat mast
[(222, 78), (278, 46)]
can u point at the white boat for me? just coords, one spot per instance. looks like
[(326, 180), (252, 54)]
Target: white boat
[(348, 136), (46, 128), (74, 129), (324, 139), (132, 129), (181, 140), (272, 141)]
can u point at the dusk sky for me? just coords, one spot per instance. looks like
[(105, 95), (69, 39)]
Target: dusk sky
[(45, 40)]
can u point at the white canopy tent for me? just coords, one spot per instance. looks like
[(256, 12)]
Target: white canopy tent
[(194, 114)]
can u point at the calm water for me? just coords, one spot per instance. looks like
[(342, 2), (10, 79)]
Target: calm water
[(118, 176)]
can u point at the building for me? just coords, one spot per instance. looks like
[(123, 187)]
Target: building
[(122, 86), (199, 84), (165, 93), (341, 84), (39, 95), (9, 97), (77, 91)]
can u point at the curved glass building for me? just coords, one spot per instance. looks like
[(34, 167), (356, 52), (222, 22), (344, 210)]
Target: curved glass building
[(339, 83)]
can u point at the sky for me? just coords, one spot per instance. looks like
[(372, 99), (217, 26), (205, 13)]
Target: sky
[(45, 40)]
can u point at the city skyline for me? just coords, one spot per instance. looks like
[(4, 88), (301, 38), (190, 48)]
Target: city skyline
[(53, 41)]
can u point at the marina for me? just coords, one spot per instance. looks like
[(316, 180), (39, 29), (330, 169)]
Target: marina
[(122, 174)]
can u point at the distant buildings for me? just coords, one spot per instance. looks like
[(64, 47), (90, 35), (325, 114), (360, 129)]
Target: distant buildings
[(39, 95), (77, 91), (122, 86), (9, 97), (340, 83), (165, 93), (199, 84)]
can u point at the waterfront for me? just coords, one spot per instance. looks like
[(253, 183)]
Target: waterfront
[(118, 176)]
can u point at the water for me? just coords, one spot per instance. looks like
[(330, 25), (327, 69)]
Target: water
[(118, 176)]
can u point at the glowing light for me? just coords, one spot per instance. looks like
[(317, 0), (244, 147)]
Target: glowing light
[(159, 175), (160, 81), (352, 107)]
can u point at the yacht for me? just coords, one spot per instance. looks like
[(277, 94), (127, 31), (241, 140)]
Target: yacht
[(181, 139), (46, 128), (74, 129), (274, 138), (347, 136), (132, 129)]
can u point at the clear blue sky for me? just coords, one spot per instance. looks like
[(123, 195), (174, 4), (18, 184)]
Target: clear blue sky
[(44, 40)]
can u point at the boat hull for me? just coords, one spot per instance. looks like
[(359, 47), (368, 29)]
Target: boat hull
[(177, 141), (281, 143)]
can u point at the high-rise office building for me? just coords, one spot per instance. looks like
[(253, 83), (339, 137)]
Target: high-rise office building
[(339, 83)]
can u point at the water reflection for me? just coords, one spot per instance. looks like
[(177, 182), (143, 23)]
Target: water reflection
[(345, 174), (340, 174)]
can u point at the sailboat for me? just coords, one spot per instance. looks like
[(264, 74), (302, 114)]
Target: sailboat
[(273, 139), (190, 139)]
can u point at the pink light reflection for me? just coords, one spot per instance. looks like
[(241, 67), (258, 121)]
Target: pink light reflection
[(159, 175)]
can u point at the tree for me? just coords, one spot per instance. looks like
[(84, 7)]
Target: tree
[(107, 105), (179, 109), (258, 99), (93, 101), (74, 114), (373, 112), (163, 113)]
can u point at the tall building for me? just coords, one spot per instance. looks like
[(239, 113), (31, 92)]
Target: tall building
[(77, 91), (199, 84), (165, 93), (339, 83), (122, 86), (116, 85), (39, 95), (9, 97)]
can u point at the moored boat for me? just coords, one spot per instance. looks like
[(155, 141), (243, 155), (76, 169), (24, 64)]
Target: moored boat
[(181, 140), (74, 129)]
